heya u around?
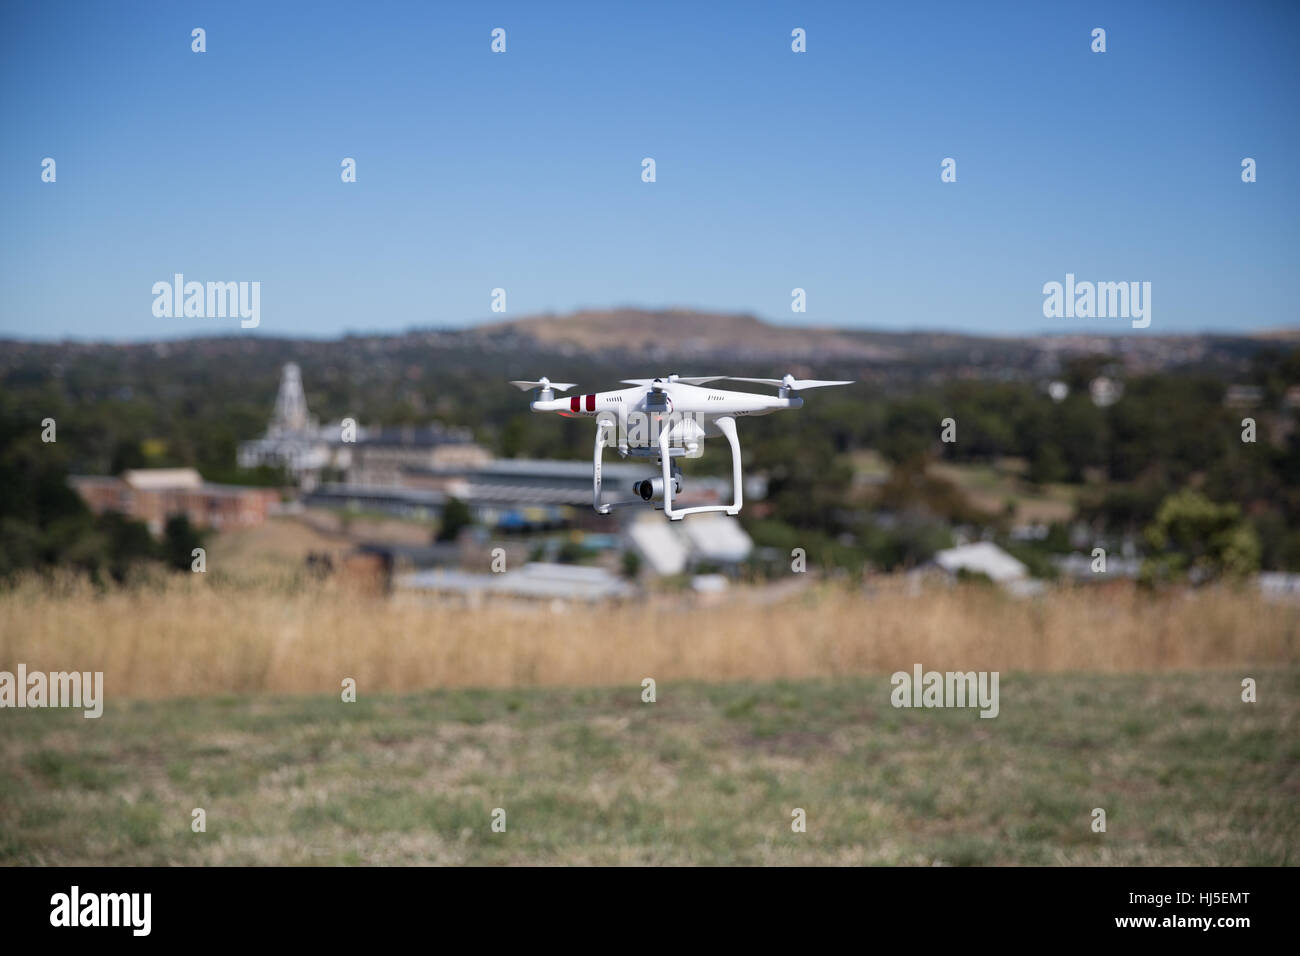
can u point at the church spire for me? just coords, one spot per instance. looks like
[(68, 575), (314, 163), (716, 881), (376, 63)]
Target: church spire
[(290, 416)]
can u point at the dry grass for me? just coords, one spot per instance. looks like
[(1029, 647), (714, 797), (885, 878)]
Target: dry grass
[(194, 635)]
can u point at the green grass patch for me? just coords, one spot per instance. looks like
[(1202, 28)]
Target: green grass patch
[(1186, 772)]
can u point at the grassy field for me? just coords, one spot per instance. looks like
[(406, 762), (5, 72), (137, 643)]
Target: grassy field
[(224, 693), (709, 774), (989, 487)]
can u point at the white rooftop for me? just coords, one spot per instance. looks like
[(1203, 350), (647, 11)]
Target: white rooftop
[(659, 545), (153, 479), (533, 580), (668, 546), (717, 537), (982, 558)]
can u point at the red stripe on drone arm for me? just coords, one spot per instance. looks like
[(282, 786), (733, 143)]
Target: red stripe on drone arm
[(573, 404), (591, 403)]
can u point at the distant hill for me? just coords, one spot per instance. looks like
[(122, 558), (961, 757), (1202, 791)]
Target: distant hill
[(684, 332), (661, 340)]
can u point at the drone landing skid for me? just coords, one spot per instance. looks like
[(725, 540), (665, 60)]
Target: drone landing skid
[(665, 452), (726, 425)]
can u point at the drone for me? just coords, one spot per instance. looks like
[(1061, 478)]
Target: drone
[(668, 418)]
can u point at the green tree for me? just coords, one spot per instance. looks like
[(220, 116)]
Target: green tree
[(807, 481), (911, 432), (1194, 538), (180, 538), (126, 454), (1047, 465), (631, 564), (456, 517), (571, 552), (40, 515)]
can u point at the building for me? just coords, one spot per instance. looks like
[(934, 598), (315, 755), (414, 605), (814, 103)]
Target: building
[(518, 494), (378, 499), (153, 495), (369, 456), (987, 559), (383, 456), (1104, 391), (1080, 566), (674, 547), (1243, 396), (511, 494), (1279, 586), (534, 581), (293, 441)]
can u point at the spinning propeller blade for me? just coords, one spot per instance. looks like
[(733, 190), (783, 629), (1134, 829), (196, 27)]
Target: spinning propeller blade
[(543, 382), (790, 382), (684, 379)]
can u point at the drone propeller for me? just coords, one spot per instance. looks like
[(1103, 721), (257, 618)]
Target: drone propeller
[(543, 383), (789, 382), (685, 380)]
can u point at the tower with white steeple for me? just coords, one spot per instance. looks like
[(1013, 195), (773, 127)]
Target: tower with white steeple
[(290, 416)]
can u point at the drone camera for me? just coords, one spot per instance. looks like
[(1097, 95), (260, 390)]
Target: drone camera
[(653, 488)]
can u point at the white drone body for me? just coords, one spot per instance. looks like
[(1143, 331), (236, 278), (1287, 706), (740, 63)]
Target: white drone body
[(667, 418)]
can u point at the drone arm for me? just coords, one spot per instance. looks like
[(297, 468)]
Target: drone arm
[(545, 402)]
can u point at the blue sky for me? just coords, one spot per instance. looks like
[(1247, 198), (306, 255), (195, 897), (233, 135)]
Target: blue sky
[(523, 170)]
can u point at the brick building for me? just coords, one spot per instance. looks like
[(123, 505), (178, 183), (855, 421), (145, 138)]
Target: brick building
[(152, 495)]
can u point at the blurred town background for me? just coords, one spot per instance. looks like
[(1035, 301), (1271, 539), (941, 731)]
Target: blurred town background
[(1135, 445)]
